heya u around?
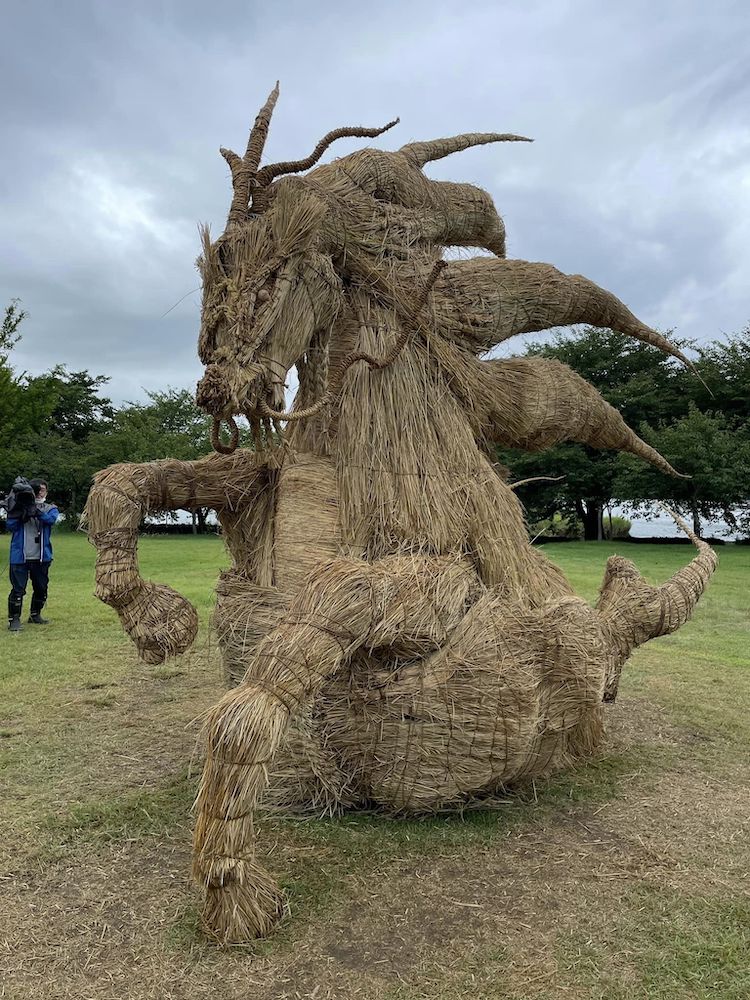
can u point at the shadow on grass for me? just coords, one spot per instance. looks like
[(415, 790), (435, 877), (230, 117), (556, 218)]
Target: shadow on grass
[(597, 780), (144, 813), (319, 860)]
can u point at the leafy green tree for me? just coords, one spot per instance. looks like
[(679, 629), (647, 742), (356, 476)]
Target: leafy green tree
[(709, 441), (66, 409), (72, 401), (639, 381), (12, 319), (12, 404), (47, 420), (15, 404), (724, 366), (714, 450), (699, 420), (169, 425), (62, 458)]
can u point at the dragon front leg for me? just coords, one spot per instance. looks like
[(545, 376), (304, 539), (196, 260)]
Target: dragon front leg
[(160, 621)]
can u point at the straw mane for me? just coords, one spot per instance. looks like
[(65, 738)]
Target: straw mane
[(394, 638)]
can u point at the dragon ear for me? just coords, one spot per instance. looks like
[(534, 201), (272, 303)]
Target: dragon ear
[(297, 216)]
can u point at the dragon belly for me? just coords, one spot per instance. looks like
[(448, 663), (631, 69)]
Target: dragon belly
[(303, 532)]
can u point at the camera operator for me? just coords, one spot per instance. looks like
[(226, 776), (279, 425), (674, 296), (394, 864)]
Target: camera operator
[(30, 519)]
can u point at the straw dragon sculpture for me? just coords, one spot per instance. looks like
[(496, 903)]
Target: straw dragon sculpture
[(394, 637)]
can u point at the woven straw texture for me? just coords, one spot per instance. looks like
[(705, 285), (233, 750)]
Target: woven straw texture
[(392, 639)]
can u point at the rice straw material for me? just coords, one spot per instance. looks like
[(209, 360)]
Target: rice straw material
[(393, 638)]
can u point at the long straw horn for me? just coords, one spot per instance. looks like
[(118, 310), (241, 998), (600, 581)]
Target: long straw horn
[(273, 170), (244, 170), (436, 149)]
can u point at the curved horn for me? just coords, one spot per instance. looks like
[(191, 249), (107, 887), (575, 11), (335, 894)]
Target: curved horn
[(535, 403), (489, 301), (632, 612), (273, 170), (244, 170), (435, 149)]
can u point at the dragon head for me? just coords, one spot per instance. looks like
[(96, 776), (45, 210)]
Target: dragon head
[(273, 281), (269, 282)]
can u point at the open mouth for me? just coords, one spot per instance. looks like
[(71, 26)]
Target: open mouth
[(261, 403)]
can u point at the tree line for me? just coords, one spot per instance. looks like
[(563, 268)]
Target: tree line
[(61, 425), (699, 420)]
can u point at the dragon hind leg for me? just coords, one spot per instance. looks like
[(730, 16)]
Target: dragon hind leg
[(409, 603)]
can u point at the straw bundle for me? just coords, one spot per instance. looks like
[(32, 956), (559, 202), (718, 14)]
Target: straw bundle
[(394, 639), (159, 620)]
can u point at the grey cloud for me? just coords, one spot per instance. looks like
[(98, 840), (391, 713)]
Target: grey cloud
[(638, 176)]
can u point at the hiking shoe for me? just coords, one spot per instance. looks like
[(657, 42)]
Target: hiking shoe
[(38, 620), (14, 624)]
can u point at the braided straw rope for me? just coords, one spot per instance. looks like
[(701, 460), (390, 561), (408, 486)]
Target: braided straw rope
[(351, 359), (395, 639)]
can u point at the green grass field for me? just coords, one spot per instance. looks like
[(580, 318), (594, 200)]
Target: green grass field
[(629, 878)]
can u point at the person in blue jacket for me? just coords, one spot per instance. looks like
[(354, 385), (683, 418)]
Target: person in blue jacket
[(30, 556)]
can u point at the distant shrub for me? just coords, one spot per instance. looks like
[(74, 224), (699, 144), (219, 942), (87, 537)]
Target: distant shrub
[(558, 526), (562, 526), (620, 527)]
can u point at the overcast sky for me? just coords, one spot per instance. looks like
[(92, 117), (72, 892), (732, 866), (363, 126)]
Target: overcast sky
[(113, 112)]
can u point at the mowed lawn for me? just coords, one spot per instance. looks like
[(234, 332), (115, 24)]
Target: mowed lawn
[(629, 878)]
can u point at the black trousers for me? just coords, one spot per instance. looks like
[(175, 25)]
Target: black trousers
[(19, 577)]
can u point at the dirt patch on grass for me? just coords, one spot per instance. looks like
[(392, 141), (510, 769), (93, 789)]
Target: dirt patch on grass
[(510, 911)]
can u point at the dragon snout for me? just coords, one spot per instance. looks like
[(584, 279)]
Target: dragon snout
[(214, 393), (228, 390)]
